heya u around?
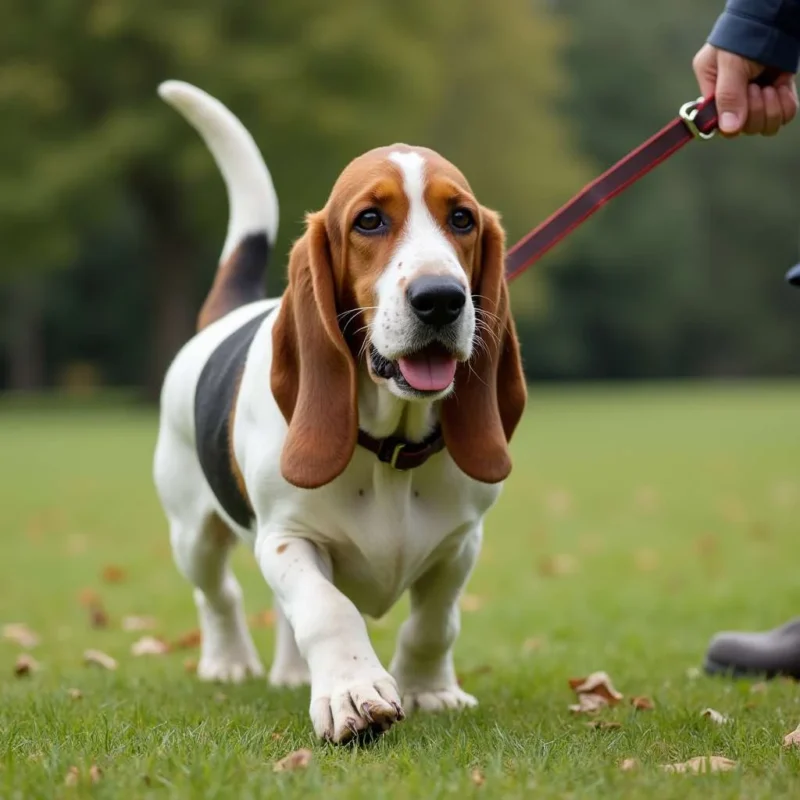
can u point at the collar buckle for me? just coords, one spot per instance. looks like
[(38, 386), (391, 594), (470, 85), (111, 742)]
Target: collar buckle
[(390, 449)]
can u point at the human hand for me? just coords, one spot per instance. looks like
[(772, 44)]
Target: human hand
[(743, 106)]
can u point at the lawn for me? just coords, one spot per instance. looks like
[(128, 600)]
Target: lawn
[(637, 522)]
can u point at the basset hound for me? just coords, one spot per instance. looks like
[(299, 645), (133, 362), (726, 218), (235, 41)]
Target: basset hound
[(353, 432)]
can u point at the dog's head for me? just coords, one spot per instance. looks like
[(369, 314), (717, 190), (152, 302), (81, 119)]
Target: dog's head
[(403, 273)]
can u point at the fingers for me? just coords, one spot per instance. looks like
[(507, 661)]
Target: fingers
[(773, 112), (756, 113), (769, 108), (733, 76), (705, 69), (787, 96)]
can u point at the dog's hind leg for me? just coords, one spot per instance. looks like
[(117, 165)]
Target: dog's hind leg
[(201, 546), (202, 552)]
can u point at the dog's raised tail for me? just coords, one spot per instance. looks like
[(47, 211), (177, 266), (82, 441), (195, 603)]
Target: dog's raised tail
[(252, 201)]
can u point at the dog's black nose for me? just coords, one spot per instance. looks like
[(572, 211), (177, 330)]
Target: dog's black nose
[(436, 300), (793, 275)]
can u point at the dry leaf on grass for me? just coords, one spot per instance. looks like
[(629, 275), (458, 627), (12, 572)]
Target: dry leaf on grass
[(75, 694), (25, 665), (299, 759), (21, 634), (95, 773), (642, 703), (558, 565), (98, 617), (149, 646), (190, 665), (98, 658), (477, 777), (629, 764), (470, 602), (589, 704), (88, 598), (113, 574), (134, 623), (714, 716), (598, 683), (189, 640), (603, 725), (263, 619), (72, 777), (792, 739), (702, 764)]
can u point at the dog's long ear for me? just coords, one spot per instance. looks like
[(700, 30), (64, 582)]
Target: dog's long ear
[(313, 372), (480, 416)]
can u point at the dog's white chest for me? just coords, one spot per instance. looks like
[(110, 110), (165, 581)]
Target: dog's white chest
[(384, 528)]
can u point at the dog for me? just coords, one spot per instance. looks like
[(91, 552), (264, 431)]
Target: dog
[(353, 432)]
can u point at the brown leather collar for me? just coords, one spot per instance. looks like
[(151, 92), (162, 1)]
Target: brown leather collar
[(400, 453)]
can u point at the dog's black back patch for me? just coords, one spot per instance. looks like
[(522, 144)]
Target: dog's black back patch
[(214, 397)]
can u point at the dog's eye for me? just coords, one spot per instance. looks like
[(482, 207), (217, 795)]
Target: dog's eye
[(370, 221), (461, 220)]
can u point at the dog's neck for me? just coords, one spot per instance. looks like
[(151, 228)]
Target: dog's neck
[(382, 414)]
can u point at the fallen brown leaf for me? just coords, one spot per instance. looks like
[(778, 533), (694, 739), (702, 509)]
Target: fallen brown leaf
[(95, 773), (714, 716), (189, 640), (25, 665), (299, 759), (602, 724), (149, 646), (99, 659), (702, 764), (558, 565), (190, 665), (275, 736), (21, 634), (88, 598), (72, 777), (98, 617), (598, 683), (642, 703), (134, 623), (629, 764), (113, 574), (589, 704), (263, 619), (470, 602), (477, 777), (792, 739), (75, 694)]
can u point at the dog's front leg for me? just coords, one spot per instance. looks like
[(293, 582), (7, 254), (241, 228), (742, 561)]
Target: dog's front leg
[(423, 661), (350, 690)]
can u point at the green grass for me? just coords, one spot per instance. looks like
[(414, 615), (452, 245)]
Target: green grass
[(677, 510)]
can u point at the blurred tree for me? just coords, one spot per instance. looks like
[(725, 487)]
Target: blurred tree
[(85, 142), (682, 275)]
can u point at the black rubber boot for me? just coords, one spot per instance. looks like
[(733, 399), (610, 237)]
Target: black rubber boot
[(765, 655)]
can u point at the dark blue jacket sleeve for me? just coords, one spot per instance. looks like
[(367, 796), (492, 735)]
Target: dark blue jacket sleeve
[(766, 31)]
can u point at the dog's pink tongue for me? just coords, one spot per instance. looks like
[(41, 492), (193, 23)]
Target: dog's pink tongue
[(428, 372)]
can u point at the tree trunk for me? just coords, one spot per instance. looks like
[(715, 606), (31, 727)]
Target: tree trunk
[(170, 274), (26, 335)]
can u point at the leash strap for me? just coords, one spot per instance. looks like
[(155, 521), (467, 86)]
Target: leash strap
[(696, 120)]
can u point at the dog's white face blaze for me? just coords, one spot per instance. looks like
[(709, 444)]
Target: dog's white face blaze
[(423, 248)]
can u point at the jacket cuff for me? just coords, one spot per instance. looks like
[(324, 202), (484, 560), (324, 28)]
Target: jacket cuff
[(757, 41)]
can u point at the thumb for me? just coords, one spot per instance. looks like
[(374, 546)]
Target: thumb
[(733, 76)]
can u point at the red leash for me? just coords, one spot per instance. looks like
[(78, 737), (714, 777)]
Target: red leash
[(696, 120)]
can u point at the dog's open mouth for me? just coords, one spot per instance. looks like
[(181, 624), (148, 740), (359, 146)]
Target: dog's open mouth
[(431, 369)]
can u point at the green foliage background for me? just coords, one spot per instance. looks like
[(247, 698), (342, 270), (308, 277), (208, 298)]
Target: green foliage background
[(112, 213)]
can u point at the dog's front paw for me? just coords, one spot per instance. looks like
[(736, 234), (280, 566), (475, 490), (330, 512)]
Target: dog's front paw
[(359, 707), (452, 698)]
